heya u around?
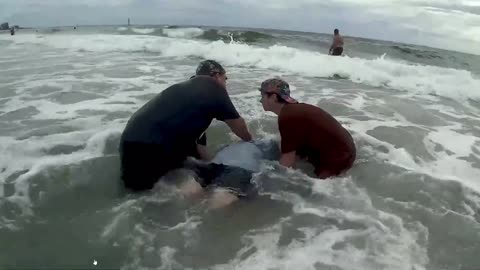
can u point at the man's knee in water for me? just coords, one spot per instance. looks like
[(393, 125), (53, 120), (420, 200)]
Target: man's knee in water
[(191, 188), (221, 198)]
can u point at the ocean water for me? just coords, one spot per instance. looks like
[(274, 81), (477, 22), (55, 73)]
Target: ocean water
[(411, 201)]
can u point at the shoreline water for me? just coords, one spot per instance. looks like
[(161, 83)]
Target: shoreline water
[(411, 201)]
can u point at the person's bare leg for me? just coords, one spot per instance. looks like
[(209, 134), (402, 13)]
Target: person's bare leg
[(221, 198), (191, 188)]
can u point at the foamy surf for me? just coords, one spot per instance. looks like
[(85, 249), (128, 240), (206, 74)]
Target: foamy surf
[(144, 31), (183, 32), (380, 72), (337, 237), (411, 201)]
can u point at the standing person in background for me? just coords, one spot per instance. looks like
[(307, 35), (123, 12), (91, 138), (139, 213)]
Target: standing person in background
[(337, 44)]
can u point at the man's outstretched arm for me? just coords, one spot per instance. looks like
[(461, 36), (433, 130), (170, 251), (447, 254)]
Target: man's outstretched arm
[(239, 128)]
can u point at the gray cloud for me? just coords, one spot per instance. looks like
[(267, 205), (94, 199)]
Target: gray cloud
[(450, 24)]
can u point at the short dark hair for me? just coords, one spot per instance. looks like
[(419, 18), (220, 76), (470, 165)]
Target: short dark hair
[(335, 31), (209, 68)]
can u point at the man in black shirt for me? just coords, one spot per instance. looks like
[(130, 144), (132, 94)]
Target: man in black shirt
[(171, 126)]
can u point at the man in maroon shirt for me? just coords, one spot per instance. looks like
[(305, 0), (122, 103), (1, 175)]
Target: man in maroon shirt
[(308, 131)]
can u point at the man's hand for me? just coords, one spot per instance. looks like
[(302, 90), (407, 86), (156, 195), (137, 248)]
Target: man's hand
[(288, 159), (239, 128), (203, 153)]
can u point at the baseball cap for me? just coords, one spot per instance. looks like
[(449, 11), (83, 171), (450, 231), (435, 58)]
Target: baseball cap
[(277, 86)]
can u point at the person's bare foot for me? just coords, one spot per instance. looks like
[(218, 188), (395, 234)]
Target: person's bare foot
[(221, 198)]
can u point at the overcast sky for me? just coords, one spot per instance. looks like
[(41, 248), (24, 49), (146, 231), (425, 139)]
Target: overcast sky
[(450, 24)]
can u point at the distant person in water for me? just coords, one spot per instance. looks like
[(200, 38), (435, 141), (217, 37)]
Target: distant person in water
[(171, 126), (12, 31), (337, 44), (308, 132)]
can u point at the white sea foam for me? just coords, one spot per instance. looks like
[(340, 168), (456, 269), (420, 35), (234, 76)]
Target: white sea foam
[(144, 31), (183, 32), (379, 241), (447, 165), (375, 240), (417, 79)]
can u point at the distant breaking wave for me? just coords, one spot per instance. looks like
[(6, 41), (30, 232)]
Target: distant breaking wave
[(143, 30), (198, 33), (380, 72), (183, 32)]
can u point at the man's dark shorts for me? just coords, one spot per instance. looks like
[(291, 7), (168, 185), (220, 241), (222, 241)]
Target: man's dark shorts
[(337, 51), (144, 164)]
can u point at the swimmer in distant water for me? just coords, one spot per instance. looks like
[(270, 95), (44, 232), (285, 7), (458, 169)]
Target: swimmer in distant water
[(171, 127), (337, 44), (12, 31)]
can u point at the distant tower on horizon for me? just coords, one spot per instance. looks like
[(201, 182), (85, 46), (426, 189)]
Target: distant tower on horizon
[(128, 21)]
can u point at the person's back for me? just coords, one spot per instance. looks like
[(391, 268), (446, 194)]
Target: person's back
[(180, 113), (322, 133)]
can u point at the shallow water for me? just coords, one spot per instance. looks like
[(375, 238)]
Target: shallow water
[(411, 201)]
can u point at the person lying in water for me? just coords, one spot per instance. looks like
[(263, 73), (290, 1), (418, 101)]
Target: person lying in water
[(230, 172), (308, 131)]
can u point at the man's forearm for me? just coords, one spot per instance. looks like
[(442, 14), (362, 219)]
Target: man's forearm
[(239, 127), (244, 133), (203, 153)]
